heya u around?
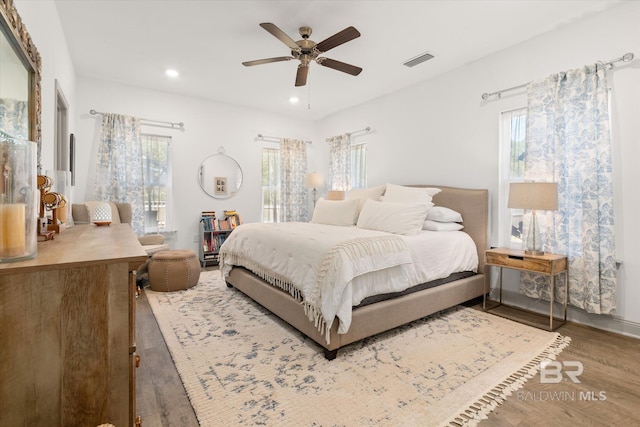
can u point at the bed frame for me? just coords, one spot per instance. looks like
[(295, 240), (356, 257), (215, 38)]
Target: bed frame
[(372, 319)]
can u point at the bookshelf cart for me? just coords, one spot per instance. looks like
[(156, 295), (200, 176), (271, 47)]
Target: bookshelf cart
[(213, 233)]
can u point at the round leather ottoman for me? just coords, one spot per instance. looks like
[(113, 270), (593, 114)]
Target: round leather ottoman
[(173, 270)]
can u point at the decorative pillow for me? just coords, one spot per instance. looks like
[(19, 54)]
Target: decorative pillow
[(441, 226), (397, 218), (364, 194), (442, 214), (401, 194), (335, 212)]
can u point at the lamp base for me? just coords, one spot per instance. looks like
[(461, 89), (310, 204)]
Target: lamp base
[(534, 253)]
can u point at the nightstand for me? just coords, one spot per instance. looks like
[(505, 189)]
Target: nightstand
[(550, 265)]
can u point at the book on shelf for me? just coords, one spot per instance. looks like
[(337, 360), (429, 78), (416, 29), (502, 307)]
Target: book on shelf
[(233, 217), (208, 219)]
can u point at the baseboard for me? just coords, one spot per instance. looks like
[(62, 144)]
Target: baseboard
[(606, 322)]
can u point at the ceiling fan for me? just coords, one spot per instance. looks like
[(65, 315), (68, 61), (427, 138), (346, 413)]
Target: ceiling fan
[(306, 50)]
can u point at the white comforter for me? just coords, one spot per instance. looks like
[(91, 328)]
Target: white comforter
[(331, 269)]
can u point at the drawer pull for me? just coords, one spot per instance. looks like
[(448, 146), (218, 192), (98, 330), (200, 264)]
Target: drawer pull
[(519, 258), (137, 361)]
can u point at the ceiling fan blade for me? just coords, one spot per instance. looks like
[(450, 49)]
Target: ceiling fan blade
[(301, 75), (340, 66), (280, 35), (337, 39), (267, 61)]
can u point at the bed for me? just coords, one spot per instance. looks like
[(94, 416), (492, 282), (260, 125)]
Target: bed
[(371, 319)]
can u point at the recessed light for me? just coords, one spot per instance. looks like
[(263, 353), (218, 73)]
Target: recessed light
[(294, 100), (172, 73)]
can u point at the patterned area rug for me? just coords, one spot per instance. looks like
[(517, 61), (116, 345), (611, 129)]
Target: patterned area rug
[(241, 365)]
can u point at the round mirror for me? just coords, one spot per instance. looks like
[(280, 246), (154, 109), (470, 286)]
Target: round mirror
[(220, 176)]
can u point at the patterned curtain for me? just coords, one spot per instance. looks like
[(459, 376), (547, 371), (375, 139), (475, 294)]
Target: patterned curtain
[(14, 118), (340, 162), (119, 174), (568, 141), (293, 168)]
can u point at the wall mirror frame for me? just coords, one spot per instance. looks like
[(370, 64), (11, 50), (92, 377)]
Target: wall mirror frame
[(16, 34), (220, 175)]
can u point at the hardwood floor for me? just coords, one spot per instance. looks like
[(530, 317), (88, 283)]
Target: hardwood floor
[(608, 393), (161, 398)]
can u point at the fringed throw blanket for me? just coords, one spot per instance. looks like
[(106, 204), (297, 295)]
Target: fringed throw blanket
[(315, 263)]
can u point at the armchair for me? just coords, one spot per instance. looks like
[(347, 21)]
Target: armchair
[(120, 213)]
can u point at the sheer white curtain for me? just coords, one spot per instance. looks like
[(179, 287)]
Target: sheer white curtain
[(339, 162), (568, 141), (119, 175), (156, 165), (293, 168)]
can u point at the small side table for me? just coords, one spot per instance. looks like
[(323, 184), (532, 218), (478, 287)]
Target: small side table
[(548, 264)]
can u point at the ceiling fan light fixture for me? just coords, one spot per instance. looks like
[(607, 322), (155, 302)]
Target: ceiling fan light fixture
[(418, 59)]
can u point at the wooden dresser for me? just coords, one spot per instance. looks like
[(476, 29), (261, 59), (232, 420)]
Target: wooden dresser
[(67, 330)]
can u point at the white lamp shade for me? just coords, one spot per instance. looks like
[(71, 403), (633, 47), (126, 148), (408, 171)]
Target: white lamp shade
[(542, 196), (336, 195), (313, 180)]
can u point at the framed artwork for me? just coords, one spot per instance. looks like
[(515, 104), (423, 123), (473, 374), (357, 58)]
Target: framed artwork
[(220, 185)]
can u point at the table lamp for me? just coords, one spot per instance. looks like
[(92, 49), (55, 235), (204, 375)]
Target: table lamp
[(313, 180), (536, 196)]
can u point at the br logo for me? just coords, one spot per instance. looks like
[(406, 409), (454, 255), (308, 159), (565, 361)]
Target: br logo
[(553, 372)]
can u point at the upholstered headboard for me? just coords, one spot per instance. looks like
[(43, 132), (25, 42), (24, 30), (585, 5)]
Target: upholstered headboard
[(473, 204)]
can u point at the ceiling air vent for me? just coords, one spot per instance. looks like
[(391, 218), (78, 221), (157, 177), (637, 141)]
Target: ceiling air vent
[(418, 59)]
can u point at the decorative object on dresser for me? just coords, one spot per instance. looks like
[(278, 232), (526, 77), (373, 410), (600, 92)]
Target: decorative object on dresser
[(551, 265), (18, 226), (68, 334), (536, 196), (101, 214)]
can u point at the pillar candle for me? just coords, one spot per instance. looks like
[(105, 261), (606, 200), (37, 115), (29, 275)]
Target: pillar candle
[(12, 230)]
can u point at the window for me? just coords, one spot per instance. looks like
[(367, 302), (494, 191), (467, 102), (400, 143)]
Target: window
[(359, 166), (271, 185), (156, 165), (513, 127)]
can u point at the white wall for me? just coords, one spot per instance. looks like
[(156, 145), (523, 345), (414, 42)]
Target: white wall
[(208, 125), (441, 132), (42, 21)]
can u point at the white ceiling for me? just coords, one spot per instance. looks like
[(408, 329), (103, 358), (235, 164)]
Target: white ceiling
[(134, 41)]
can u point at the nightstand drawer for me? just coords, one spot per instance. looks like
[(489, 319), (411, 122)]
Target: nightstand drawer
[(538, 265)]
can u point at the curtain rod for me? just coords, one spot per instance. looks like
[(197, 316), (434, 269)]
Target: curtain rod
[(179, 125), (627, 57), (365, 130), (262, 137)]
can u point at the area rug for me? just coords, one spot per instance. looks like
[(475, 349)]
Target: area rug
[(243, 366)]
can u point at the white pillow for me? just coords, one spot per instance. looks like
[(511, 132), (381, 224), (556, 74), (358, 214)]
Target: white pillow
[(401, 194), (335, 212), (441, 226), (364, 194), (397, 218), (442, 214)]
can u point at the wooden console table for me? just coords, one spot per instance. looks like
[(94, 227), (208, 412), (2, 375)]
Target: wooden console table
[(67, 328)]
